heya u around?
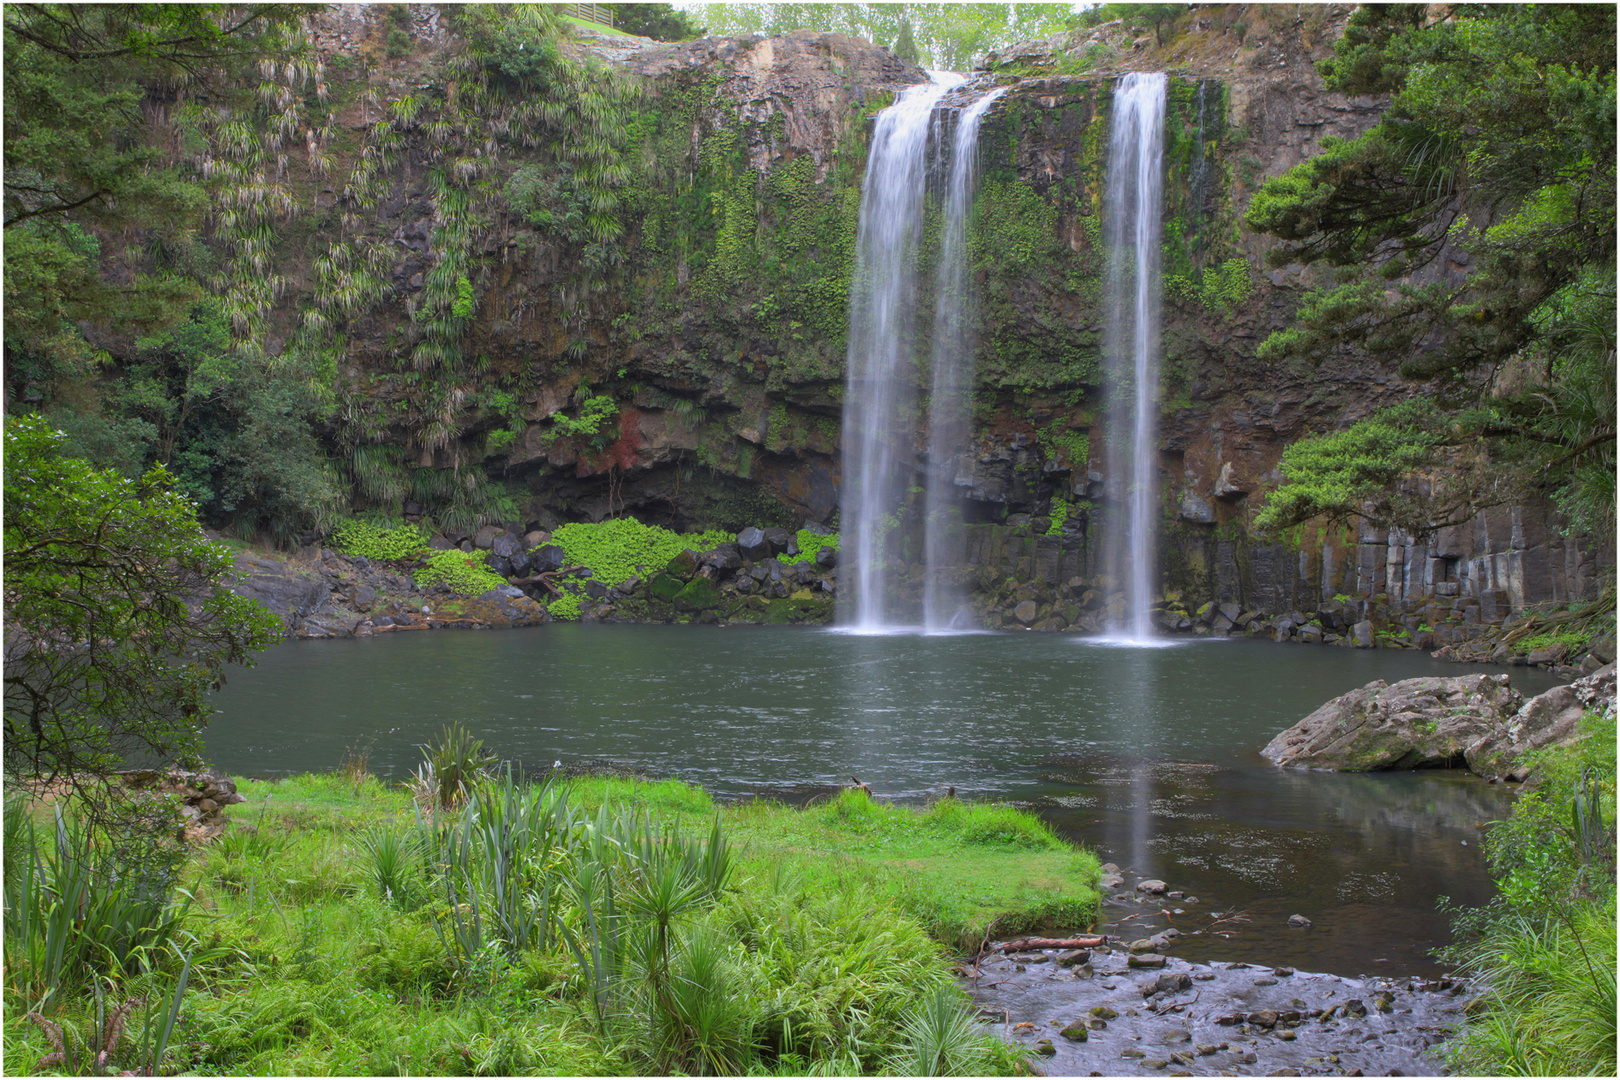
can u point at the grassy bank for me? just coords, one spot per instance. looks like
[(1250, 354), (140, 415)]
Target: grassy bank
[(600, 926), (1545, 949)]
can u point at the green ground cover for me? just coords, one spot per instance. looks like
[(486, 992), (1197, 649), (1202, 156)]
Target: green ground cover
[(1545, 948), (598, 926)]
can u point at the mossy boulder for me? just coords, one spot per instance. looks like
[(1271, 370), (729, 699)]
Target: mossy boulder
[(699, 594), (1412, 724), (665, 587)]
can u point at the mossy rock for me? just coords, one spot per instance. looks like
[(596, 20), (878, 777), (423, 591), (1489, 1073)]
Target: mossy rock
[(698, 595), (665, 587), (684, 566), (780, 612)]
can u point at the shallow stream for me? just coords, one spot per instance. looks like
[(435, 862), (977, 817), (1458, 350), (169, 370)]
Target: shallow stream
[(1149, 755)]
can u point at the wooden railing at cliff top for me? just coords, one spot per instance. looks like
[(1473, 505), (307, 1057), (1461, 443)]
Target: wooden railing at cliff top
[(596, 13)]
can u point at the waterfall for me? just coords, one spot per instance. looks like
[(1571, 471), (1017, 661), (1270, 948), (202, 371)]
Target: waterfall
[(880, 403), (950, 402), (1132, 236)]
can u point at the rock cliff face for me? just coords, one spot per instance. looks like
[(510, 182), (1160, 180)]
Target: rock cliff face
[(704, 331)]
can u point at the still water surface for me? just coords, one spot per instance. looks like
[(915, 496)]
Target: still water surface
[(1148, 755)]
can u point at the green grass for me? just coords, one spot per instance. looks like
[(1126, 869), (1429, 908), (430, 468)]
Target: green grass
[(1545, 948), (596, 26), (826, 952), (953, 866)]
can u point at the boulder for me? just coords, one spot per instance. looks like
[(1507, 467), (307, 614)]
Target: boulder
[(697, 595), (1025, 612), (1545, 719), (782, 542), (485, 538), (752, 544), (725, 559), (505, 545), (1416, 723), (1361, 634), (288, 592), (547, 558), (1196, 510), (683, 566)]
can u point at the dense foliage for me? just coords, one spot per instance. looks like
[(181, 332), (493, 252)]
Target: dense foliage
[(596, 927), (461, 571), (118, 619), (1471, 233), (621, 548), (399, 540), (1547, 945), (661, 22)]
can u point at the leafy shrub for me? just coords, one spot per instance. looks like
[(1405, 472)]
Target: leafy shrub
[(389, 543), (809, 544), (565, 607), (596, 416), (623, 548), (1546, 946), (463, 571)]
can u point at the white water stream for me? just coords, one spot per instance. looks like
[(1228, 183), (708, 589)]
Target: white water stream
[(1132, 235), (881, 416)]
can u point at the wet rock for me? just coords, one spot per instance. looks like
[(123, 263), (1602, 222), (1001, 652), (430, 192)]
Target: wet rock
[(1045, 1048), (752, 544), (1141, 945), (1132, 1052), (1145, 960), (1103, 1012), (1170, 982), (1076, 1032), (1546, 719), (1262, 1018), (1152, 886), (1074, 957), (1415, 723), (1299, 922), (548, 558)]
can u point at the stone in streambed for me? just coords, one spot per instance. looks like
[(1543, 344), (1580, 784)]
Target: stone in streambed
[(1076, 1032), (1146, 960), (1152, 886)]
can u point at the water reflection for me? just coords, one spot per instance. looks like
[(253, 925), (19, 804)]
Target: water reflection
[(1149, 755)]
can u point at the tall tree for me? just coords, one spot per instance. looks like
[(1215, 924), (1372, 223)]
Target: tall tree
[(1471, 235), (118, 621)]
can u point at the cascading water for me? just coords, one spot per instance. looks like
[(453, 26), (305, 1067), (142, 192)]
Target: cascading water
[(880, 404), (944, 548), (1132, 234)]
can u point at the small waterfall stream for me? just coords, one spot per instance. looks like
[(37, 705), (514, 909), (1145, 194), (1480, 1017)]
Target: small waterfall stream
[(885, 343), (950, 409), (1132, 234)]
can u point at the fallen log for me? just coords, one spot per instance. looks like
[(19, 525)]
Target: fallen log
[(1025, 944)]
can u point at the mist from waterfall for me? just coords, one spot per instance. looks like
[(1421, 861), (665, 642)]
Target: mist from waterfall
[(881, 412), (1132, 235)]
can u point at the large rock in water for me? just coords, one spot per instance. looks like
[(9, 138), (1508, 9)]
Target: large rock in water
[(1414, 724), (1544, 720), (1477, 720)]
